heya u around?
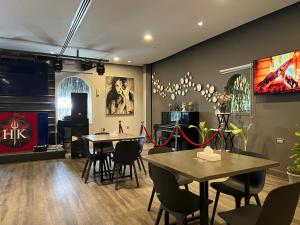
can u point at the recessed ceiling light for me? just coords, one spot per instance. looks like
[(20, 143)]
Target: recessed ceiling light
[(148, 37), (51, 52), (116, 59), (200, 23)]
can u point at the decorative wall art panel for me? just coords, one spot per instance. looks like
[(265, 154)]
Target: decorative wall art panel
[(120, 95)]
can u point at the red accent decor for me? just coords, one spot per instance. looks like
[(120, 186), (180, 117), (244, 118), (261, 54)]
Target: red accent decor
[(202, 144), (154, 142), (18, 132)]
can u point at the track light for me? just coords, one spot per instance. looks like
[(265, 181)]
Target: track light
[(100, 68), (86, 65), (57, 65)]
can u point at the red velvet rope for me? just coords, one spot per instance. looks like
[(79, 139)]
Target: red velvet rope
[(153, 142), (201, 144)]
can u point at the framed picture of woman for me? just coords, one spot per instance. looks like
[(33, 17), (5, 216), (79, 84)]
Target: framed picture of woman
[(119, 95)]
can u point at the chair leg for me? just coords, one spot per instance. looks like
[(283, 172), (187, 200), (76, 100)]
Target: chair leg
[(215, 208), (124, 170), (130, 166), (88, 171), (158, 216), (87, 161), (186, 187), (151, 199), (138, 162), (257, 200), (237, 202), (140, 157), (166, 218), (117, 176), (134, 170)]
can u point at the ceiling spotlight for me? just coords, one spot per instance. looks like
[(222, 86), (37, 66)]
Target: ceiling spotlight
[(200, 23), (100, 68), (116, 59), (51, 52), (148, 37), (129, 61)]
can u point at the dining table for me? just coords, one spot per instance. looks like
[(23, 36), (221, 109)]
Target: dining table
[(187, 164), (109, 137)]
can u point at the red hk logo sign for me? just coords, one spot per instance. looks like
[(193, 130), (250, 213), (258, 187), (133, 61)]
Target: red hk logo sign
[(18, 132)]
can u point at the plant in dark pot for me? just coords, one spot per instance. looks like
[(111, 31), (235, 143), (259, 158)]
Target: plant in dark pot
[(293, 170)]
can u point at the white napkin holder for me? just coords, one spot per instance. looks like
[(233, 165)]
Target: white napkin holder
[(209, 155)]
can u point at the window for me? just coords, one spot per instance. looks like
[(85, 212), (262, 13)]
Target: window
[(239, 87), (66, 87)]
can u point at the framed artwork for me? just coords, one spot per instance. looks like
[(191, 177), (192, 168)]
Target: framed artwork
[(119, 95)]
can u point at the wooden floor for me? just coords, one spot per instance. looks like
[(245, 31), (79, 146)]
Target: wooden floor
[(52, 192)]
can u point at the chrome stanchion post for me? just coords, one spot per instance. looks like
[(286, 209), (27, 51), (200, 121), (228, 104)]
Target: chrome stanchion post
[(142, 127), (176, 135)]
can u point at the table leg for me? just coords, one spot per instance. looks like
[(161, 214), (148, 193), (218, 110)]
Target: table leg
[(94, 163), (247, 189), (204, 203), (101, 163)]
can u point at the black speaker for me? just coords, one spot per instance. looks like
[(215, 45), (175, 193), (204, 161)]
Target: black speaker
[(100, 68), (57, 65), (79, 105), (79, 127)]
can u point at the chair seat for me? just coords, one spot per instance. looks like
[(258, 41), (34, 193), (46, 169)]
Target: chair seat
[(105, 149), (234, 188), (182, 180), (189, 204), (247, 215)]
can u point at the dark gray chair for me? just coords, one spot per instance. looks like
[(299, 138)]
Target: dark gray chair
[(235, 185), (125, 154), (91, 159), (181, 180), (278, 209), (178, 202)]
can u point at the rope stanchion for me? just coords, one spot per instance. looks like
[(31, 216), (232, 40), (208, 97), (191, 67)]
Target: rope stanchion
[(201, 144), (153, 142)]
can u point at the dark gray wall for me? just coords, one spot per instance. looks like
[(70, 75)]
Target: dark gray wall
[(273, 116)]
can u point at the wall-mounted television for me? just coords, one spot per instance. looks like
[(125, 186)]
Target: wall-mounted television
[(23, 78), (277, 74)]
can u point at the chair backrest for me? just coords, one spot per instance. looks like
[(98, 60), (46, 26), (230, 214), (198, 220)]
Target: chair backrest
[(126, 152), (166, 187), (157, 150), (257, 178), (280, 205)]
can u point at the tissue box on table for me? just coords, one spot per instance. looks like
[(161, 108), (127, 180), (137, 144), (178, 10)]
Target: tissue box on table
[(208, 155)]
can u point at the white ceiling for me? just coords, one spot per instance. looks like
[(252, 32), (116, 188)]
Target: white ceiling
[(115, 28)]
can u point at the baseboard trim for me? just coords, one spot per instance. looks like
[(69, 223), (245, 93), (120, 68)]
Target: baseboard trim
[(31, 156)]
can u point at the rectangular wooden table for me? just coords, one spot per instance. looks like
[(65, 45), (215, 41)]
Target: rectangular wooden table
[(185, 163), (101, 138)]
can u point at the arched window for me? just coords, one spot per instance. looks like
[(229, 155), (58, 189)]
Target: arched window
[(66, 87), (239, 87)]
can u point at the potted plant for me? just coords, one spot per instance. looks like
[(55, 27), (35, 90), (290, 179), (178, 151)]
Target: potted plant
[(243, 132), (224, 100), (293, 170), (203, 130)]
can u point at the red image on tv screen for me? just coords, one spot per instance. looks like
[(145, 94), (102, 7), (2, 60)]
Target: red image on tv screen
[(277, 74)]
